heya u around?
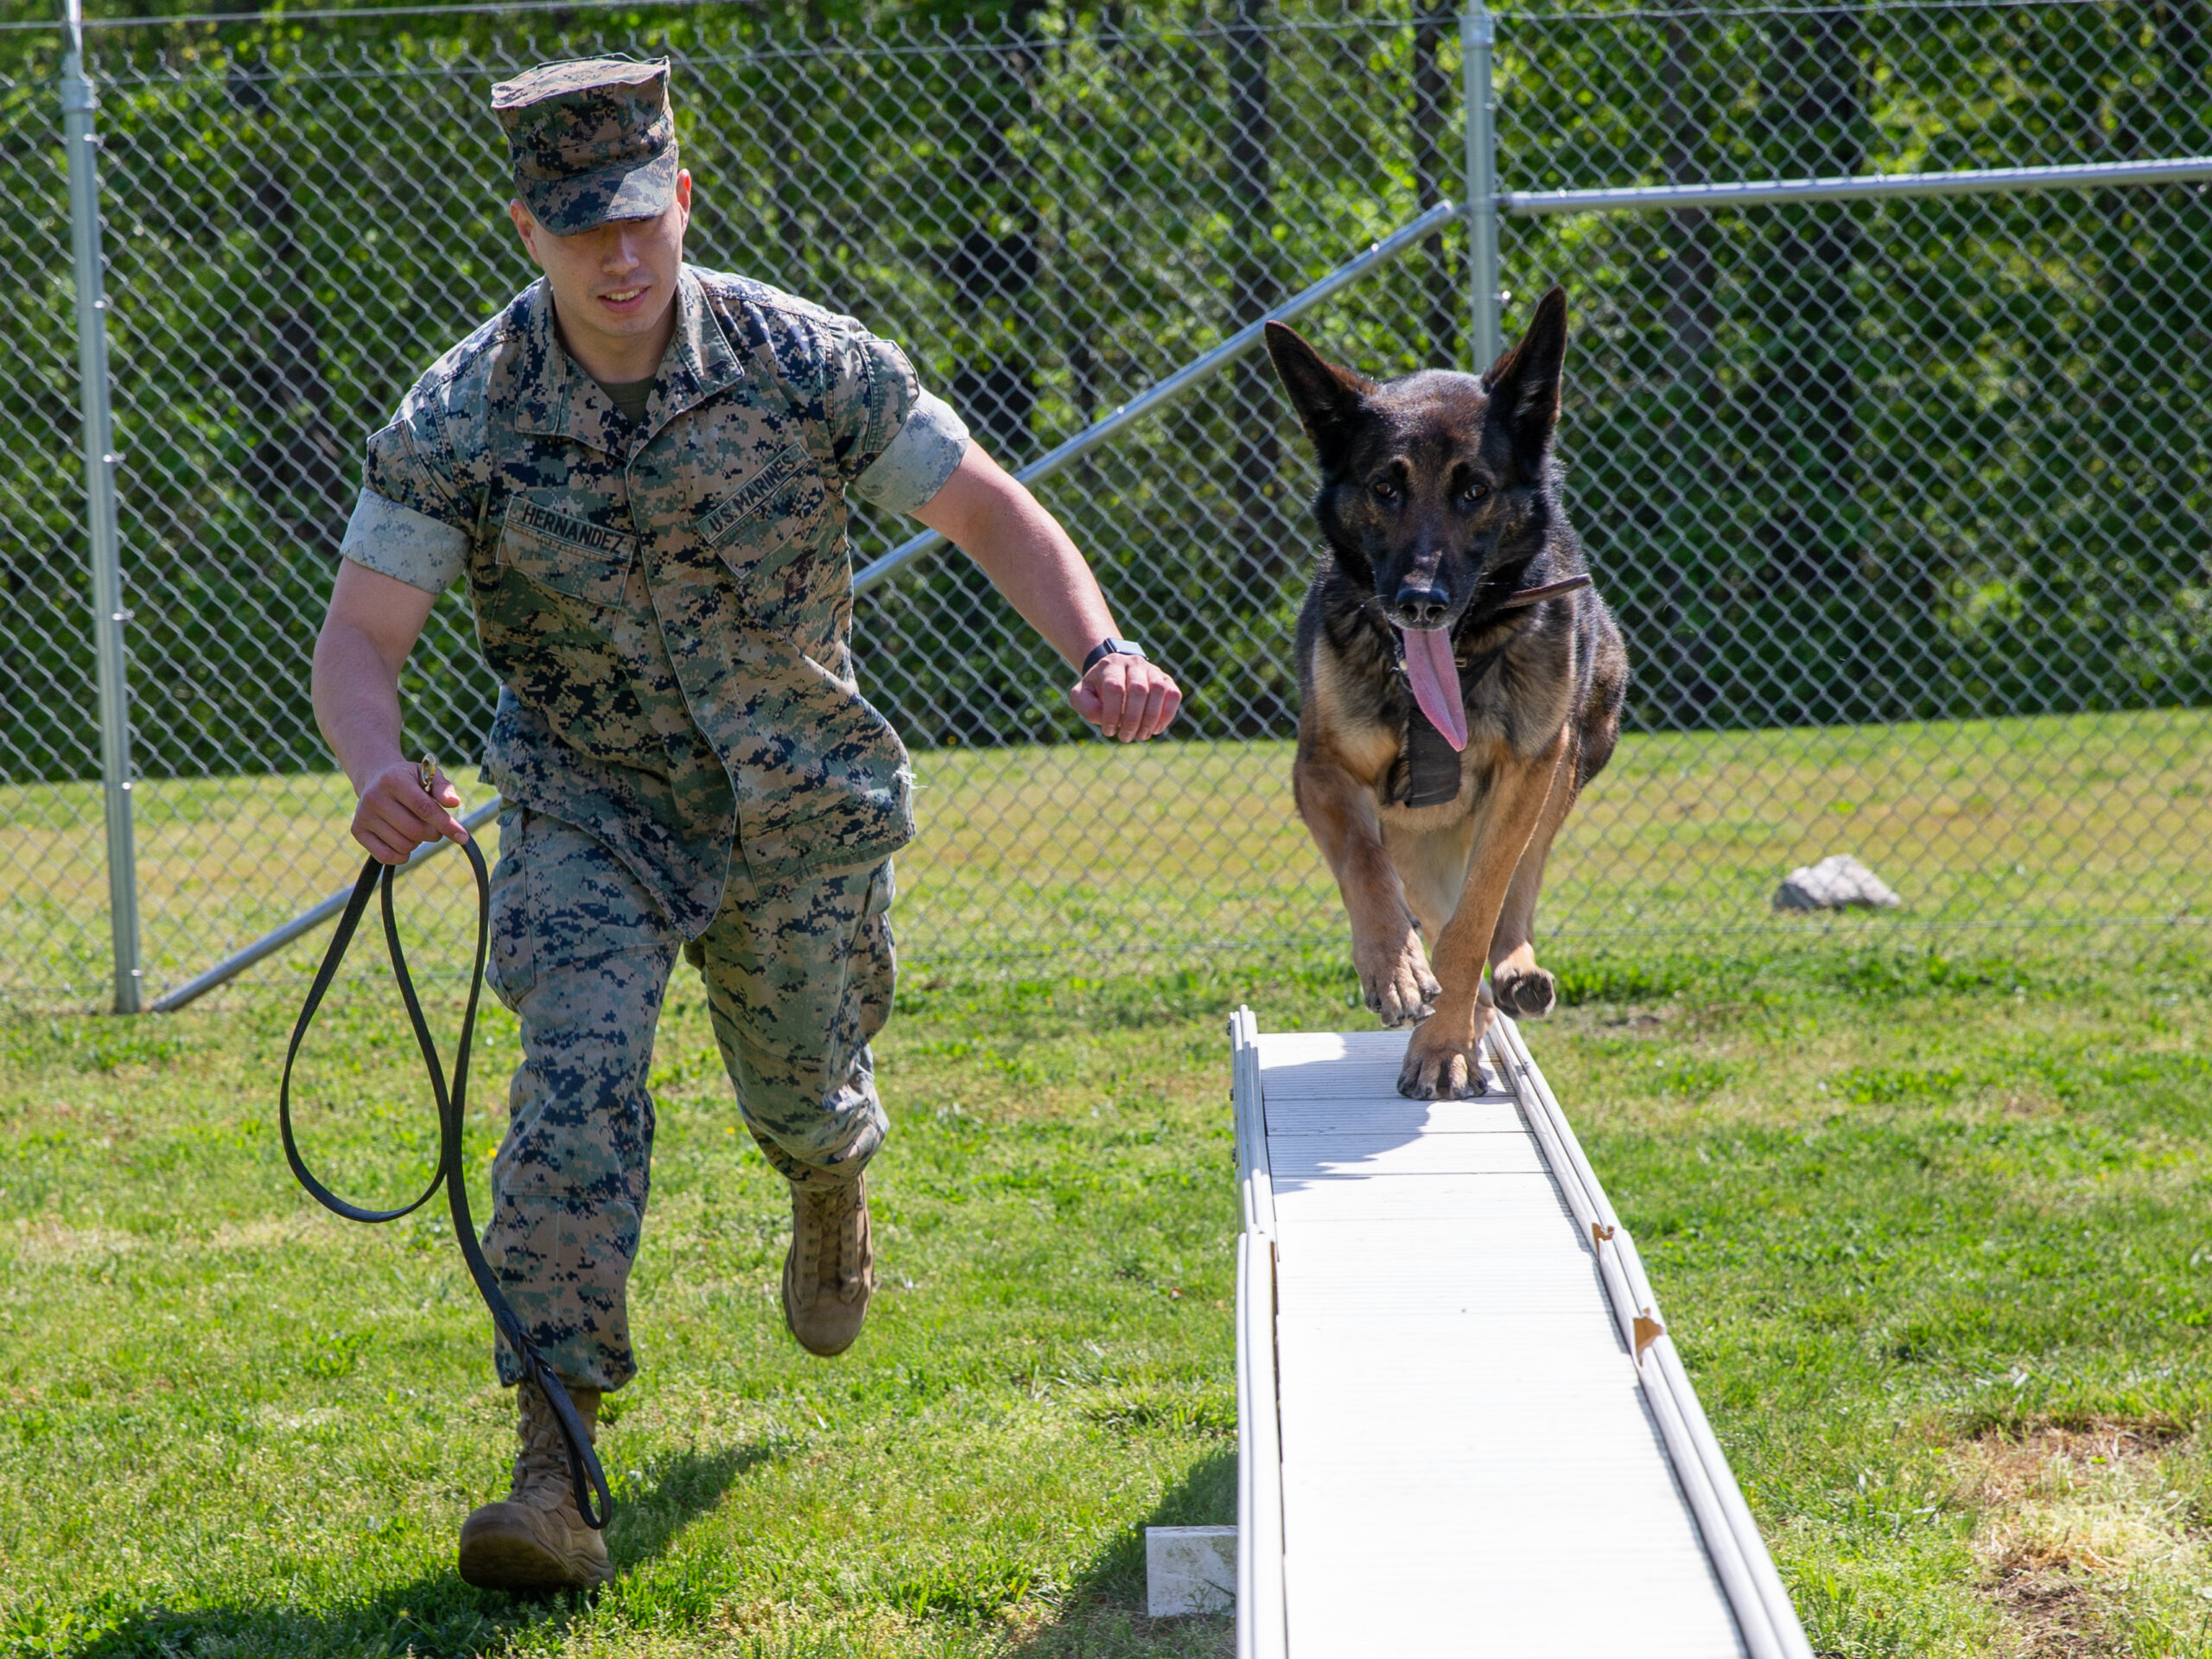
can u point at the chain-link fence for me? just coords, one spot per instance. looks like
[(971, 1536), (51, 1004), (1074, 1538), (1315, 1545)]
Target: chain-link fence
[(1902, 502)]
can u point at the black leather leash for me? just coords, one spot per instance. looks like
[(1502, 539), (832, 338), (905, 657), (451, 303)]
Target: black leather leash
[(593, 1502)]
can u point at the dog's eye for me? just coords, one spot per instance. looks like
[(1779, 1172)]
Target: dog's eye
[(1474, 492), (1385, 490)]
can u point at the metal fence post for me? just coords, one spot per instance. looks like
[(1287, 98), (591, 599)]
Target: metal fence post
[(1478, 32), (78, 102)]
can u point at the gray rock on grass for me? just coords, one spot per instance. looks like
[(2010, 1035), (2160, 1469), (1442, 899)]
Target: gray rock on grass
[(1837, 883)]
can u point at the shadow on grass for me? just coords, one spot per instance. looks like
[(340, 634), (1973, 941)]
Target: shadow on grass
[(434, 1616), (1102, 1614)]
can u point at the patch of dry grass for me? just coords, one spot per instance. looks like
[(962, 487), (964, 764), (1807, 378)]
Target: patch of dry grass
[(2082, 1533)]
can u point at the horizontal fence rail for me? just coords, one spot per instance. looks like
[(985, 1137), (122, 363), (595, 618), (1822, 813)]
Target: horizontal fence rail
[(304, 924), (1752, 193), (1881, 428), (1184, 379), (1175, 384)]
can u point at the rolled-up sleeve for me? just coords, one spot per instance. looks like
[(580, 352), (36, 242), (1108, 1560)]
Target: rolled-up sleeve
[(895, 443), (412, 547), (915, 464), (411, 522)]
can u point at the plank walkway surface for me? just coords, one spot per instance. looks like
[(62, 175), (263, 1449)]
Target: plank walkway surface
[(1464, 1431)]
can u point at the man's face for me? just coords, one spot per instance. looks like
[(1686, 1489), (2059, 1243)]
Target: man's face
[(617, 282)]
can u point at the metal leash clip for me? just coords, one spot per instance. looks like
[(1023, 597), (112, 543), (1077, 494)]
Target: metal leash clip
[(429, 776)]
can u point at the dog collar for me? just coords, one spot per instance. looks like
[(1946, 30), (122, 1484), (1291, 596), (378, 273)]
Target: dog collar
[(1513, 602), (1537, 595)]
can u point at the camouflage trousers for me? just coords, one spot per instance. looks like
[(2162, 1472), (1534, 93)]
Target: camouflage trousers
[(798, 975)]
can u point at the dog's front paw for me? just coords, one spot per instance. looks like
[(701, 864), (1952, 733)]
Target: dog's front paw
[(1525, 996), (1396, 977), (1444, 1060)]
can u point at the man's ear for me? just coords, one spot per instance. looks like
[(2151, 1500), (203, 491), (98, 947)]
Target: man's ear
[(1327, 398), (526, 228), (1524, 383)]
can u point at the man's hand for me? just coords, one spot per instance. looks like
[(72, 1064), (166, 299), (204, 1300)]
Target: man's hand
[(990, 516), (396, 815), (1126, 697)]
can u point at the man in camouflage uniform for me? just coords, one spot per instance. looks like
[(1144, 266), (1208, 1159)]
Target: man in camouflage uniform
[(641, 470)]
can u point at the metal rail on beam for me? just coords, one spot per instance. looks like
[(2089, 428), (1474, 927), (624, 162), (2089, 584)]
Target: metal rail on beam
[(1764, 1614), (1263, 1614)]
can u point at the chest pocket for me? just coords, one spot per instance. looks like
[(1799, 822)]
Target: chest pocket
[(768, 521), (569, 555)]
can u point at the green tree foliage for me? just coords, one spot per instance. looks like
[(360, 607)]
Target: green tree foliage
[(1835, 463), (1896, 459)]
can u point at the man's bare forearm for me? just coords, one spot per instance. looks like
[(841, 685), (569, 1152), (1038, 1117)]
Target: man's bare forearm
[(373, 623), (357, 703), (991, 517)]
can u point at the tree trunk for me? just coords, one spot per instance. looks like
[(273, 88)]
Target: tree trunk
[(1818, 86), (1685, 615), (301, 473), (1254, 409), (1440, 276), (995, 264), (2136, 541), (1806, 398), (1691, 319)]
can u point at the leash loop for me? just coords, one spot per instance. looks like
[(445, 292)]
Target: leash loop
[(594, 1502)]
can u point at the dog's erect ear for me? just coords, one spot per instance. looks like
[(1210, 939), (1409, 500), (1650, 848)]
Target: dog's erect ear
[(1326, 398), (1524, 383)]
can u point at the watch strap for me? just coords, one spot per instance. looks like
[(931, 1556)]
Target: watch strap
[(1107, 647)]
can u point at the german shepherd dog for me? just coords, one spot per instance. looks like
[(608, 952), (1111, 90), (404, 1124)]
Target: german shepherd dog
[(1460, 680)]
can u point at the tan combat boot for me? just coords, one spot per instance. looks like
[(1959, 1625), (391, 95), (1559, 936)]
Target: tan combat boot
[(537, 1539), (830, 1269)]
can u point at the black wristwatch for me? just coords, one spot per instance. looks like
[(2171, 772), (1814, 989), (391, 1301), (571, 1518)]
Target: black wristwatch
[(1110, 646)]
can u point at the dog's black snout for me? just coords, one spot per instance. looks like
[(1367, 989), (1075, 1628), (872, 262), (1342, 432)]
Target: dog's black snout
[(1422, 607)]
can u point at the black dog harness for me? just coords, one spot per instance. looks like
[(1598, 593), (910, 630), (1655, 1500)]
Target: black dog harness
[(594, 1502), (1432, 764)]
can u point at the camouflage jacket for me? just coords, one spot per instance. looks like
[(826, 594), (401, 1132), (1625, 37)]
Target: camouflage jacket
[(668, 605)]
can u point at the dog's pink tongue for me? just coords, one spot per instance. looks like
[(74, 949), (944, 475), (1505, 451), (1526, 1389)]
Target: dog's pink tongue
[(1435, 679)]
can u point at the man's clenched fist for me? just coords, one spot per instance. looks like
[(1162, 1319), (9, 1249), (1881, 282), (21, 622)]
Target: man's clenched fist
[(396, 814), (1126, 697)]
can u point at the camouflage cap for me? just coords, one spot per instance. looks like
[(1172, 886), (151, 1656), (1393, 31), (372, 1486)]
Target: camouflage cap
[(592, 139)]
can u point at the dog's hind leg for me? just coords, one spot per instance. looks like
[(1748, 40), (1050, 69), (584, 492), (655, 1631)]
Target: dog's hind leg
[(1516, 984)]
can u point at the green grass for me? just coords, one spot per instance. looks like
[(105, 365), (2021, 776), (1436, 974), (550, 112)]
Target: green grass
[(233, 1424), (1143, 858), (1924, 1197), (1931, 1230)]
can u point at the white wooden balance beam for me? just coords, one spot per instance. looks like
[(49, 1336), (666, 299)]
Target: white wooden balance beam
[(1462, 1427)]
